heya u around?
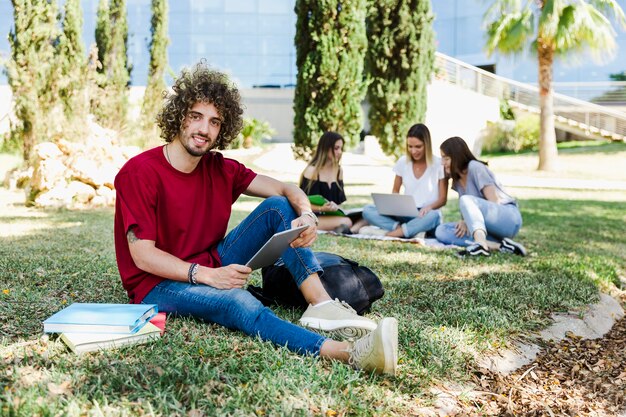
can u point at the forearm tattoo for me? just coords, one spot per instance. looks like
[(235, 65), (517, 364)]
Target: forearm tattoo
[(131, 237)]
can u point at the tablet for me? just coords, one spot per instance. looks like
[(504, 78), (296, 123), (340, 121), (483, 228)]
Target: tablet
[(274, 247)]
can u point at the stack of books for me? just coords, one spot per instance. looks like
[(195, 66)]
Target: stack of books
[(87, 327)]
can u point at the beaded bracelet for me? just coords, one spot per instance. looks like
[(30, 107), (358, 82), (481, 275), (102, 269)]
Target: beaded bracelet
[(191, 274)]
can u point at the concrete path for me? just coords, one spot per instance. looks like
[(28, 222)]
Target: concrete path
[(373, 169), (591, 323)]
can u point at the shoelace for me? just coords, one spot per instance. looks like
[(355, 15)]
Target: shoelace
[(360, 349), (344, 305)]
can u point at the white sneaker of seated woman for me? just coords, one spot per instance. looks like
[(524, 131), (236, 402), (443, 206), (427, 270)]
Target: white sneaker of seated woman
[(372, 230)]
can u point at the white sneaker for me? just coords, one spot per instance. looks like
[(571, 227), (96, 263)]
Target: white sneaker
[(372, 230), (337, 317), (378, 351)]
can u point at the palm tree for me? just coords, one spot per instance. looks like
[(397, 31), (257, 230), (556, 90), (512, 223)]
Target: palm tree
[(552, 28)]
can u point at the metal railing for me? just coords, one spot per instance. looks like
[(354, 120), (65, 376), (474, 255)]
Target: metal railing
[(582, 115), (604, 93)]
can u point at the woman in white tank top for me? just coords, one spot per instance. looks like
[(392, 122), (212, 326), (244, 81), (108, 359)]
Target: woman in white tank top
[(421, 174)]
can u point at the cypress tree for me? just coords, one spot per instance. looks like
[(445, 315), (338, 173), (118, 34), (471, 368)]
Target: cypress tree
[(103, 32), (73, 62), (158, 63), (399, 64), (331, 42), (32, 72), (118, 65), (111, 107)]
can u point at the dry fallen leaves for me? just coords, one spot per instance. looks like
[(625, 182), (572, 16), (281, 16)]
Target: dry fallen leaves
[(572, 377)]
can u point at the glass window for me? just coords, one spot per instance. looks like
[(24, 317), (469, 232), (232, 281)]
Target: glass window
[(212, 44), (237, 64), (210, 5), (444, 9), (276, 6), (240, 6), (174, 6), (469, 36), (444, 36), (275, 45), (241, 45), (275, 65), (277, 24), (240, 23)]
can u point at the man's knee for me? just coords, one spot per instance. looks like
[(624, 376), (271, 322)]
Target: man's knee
[(278, 202)]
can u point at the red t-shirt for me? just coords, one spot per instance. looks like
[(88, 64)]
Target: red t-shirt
[(185, 214)]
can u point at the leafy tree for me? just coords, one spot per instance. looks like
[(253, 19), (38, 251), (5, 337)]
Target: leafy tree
[(620, 76), (399, 63), (32, 72), (158, 63), (331, 43), (552, 28), (73, 62)]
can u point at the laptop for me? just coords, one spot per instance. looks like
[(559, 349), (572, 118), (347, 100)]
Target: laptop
[(400, 205), (274, 247)]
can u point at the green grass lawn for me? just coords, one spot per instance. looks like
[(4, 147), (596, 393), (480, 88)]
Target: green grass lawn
[(449, 310), (577, 160)]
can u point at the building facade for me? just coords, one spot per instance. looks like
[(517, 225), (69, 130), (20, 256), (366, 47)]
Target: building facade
[(252, 40)]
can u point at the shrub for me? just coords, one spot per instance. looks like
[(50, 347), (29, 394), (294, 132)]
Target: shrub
[(253, 132), (512, 136), (506, 111)]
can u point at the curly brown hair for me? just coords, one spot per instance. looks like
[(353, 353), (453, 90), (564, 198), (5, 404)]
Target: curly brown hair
[(205, 85)]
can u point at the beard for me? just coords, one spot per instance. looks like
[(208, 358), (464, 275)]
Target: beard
[(187, 144)]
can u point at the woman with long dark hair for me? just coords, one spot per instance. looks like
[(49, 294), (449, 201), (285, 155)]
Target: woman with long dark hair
[(490, 216)]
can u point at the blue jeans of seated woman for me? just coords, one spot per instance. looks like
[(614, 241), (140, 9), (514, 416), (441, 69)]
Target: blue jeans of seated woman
[(497, 220), (410, 225), (237, 308)]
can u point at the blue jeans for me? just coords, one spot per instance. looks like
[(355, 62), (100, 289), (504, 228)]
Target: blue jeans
[(410, 225), (236, 308), (497, 220)]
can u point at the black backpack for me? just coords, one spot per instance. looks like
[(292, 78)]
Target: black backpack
[(343, 279)]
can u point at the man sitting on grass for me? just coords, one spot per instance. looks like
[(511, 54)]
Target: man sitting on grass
[(171, 215)]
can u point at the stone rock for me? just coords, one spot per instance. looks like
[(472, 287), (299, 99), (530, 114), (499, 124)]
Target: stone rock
[(107, 194), (46, 150), (81, 192), (99, 201), (75, 175), (56, 197), (48, 173), (18, 178)]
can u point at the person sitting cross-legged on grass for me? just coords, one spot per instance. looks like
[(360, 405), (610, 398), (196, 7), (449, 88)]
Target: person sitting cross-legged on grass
[(421, 174), (324, 176), (171, 216), (491, 216)]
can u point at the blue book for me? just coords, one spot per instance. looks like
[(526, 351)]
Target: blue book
[(100, 318)]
